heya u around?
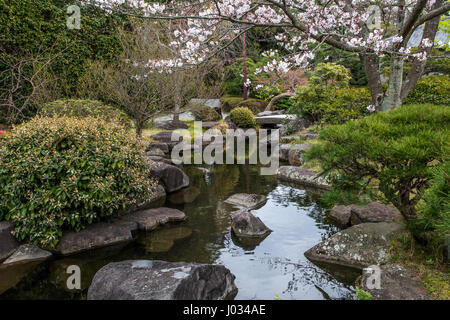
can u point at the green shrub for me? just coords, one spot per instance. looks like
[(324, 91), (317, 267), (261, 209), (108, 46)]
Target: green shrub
[(229, 103), (84, 108), (394, 150), (431, 89), (255, 105), (64, 173), (205, 113), (242, 117), (328, 99), (332, 105), (433, 223)]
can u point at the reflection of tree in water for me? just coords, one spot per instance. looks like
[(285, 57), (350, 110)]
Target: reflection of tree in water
[(305, 274), (306, 200)]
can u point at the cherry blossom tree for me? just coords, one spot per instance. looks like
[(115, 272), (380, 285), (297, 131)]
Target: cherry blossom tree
[(368, 28)]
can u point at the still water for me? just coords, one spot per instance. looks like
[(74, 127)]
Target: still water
[(274, 268)]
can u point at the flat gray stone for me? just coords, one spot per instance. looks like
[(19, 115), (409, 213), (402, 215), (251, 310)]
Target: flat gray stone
[(153, 218), (27, 253), (397, 283), (246, 200), (359, 246), (94, 236), (302, 176), (8, 244), (274, 119), (160, 280), (212, 103)]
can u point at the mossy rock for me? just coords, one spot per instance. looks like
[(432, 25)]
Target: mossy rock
[(205, 113), (255, 105)]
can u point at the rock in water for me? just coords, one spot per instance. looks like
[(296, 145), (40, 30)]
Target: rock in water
[(246, 225), (246, 200), (302, 176), (159, 280), (375, 212), (171, 177), (359, 246), (8, 244), (396, 283), (27, 253), (95, 236), (150, 219)]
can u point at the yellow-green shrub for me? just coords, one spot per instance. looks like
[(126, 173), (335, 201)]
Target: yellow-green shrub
[(242, 117), (205, 113), (62, 173), (431, 89), (255, 105), (84, 108)]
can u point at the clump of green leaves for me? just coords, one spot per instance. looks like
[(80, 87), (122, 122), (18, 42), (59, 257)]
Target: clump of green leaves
[(363, 295), (328, 98), (243, 117), (64, 173), (431, 89), (205, 113), (84, 108), (393, 152)]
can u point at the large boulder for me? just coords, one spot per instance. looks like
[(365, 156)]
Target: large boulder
[(159, 280), (302, 176), (340, 216), (396, 283), (171, 177), (246, 225), (297, 152), (152, 218), (295, 125), (8, 244), (359, 246), (27, 253), (94, 236), (246, 200), (375, 212)]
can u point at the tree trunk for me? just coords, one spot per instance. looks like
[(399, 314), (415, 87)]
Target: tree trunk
[(417, 68), (244, 66), (393, 94), (372, 70), (276, 98), (139, 128)]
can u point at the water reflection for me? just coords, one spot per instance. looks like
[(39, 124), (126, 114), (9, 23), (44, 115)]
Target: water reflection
[(275, 266)]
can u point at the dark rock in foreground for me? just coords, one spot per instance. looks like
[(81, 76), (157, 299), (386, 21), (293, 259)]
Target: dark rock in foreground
[(246, 200), (171, 125), (173, 178), (397, 283), (27, 253), (359, 246), (159, 280), (302, 176), (8, 244), (246, 225), (152, 218), (168, 137)]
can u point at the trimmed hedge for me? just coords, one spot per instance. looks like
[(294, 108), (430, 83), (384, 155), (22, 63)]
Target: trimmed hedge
[(431, 89), (84, 108), (64, 173), (205, 113), (242, 117)]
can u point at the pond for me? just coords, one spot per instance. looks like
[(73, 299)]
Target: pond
[(274, 268)]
